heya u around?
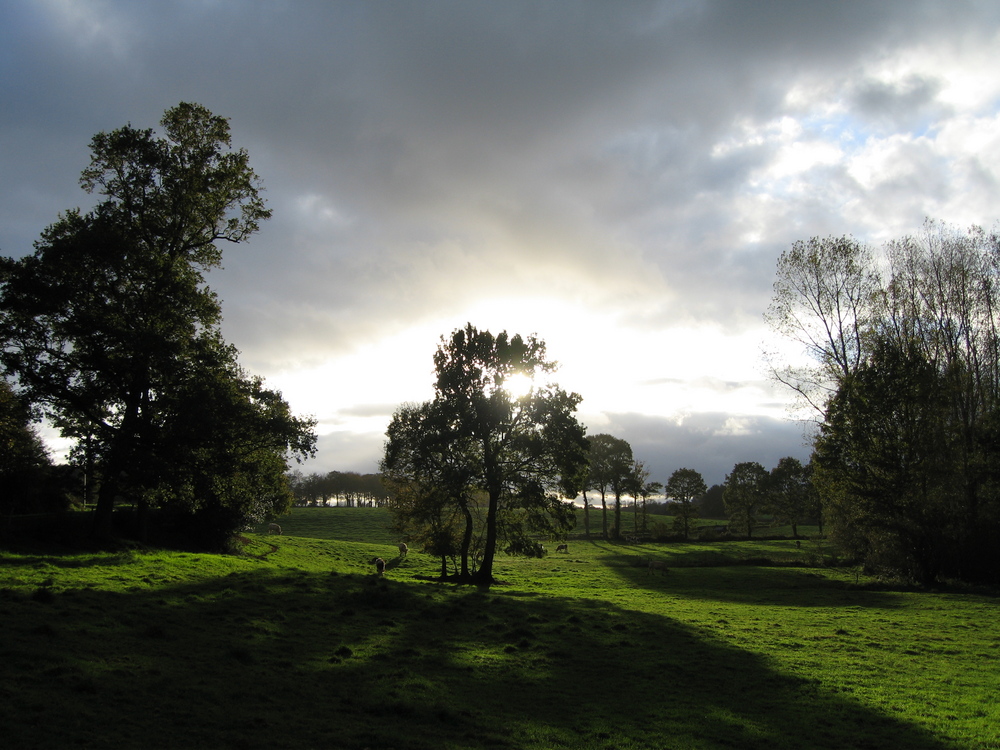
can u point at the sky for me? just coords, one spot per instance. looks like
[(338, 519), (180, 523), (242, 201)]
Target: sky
[(618, 178)]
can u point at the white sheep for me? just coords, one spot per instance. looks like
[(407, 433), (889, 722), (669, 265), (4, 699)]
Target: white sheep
[(273, 528), (403, 549)]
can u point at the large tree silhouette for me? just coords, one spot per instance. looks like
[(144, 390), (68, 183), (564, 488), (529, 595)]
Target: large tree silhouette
[(516, 450)]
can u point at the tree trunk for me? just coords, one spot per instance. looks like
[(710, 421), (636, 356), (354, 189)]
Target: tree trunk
[(484, 576), (466, 538)]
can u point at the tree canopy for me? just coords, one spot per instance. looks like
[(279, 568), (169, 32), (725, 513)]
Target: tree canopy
[(905, 382), (746, 494), (684, 487), (611, 468), (111, 330), (477, 445)]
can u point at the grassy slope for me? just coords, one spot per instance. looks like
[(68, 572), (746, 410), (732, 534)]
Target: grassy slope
[(302, 647)]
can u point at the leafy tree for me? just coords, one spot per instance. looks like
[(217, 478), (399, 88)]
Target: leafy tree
[(515, 450), (23, 458), (930, 298), (220, 459), (611, 465), (711, 504), (110, 321), (684, 487), (745, 494), (431, 475), (883, 459), (642, 489), (790, 493)]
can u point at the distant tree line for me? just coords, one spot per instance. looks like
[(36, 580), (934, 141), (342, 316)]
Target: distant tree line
[(904, 382), (339, 489), (751, 496)]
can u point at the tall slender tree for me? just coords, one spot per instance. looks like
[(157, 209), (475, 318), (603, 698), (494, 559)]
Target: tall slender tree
[(611, 466)]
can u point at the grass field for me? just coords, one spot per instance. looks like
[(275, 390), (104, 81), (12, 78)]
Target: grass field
[(297, 644)]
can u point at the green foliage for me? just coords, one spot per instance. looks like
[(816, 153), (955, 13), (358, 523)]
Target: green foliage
[(711, 504), (883, 461), (338, 487), (791, 495), (745, 495), (25, 467), (476, 438), (904, 343), (684, 487), (110, 329), (610, 470)]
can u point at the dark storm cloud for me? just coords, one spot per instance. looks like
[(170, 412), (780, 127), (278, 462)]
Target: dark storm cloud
[(711, 444)]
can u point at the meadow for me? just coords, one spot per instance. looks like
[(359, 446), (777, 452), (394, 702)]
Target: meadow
[(297, 644)]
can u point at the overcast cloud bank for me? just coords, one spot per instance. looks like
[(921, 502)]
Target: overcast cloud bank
[(618, 177)]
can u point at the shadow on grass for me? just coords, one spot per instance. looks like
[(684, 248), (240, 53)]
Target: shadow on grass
[(98, 559), (749, 583), (302, 660)]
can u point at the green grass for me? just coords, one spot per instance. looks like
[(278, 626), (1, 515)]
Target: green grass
[(298, 645)]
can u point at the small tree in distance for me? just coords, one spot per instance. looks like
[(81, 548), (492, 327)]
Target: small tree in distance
[(745, 494), (790, 493), (684, 487), (611, 467)]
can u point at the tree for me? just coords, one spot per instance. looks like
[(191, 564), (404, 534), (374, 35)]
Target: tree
[(883, 459), (711, 504), (611, 464), (642, 489), (110, 319), (745, 494), (823, 300), (23, 459), (790, 493), (684, 487), (922, 302), (515, 450), (431, 475), (220, 459)]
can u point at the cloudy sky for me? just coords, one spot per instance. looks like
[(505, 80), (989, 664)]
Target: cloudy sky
[(617, 177)]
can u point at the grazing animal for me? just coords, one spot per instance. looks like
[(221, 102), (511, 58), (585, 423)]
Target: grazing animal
[(403, 549), (273, 528), (379, 565), (658, 565), (563, 548)]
